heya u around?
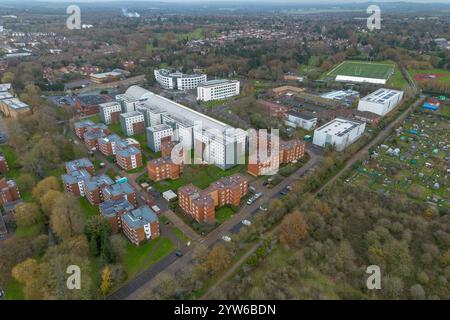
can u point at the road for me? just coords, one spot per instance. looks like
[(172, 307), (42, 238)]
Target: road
[(171, 264)]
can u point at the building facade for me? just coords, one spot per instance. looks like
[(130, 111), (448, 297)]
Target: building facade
[(9, 192), (129, 158), (218, 89), (162, 169), (339, 133), (140, 225), (110, 112), (177, 80), (156, 133), (132, 123), (381, 102)]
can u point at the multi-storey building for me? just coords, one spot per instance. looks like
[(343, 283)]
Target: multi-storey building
[(381, 102), (129, 158), (177, 80), (140, 224), (85, 126), (9, 191), (94, 188), (132, 123), (220, 143), (167, 146), (217, 90), (291, 151), (79, 164), (156, 133), (118, 191), (89, 104), (110, 112), (14, 108), (201, 204), (74, 182), (304, 120), (3, 165), (127, 104), (163, 168), (339, 133), (113, 210), (109, 145), (105, 77)]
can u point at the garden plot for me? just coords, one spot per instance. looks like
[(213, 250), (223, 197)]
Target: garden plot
[(414, 159)]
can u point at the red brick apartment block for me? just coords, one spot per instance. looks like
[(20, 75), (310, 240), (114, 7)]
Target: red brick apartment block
[(201, 204), (163, 168), (79, 164), (3, 165), (89, 104), (113, 210), (9, 191), (129, 158), (140, 225), (119, 191)]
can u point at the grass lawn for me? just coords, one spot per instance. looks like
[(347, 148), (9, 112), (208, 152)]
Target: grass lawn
[(377, 70), (139, 258), (223, 214), (88, 209), (180, 235), (31, 231), (214, 103), (397, 81), (200, 175), (95, 119), (13, 291), (11, 157)]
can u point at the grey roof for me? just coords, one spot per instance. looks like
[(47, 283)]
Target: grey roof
[(140, 217), (212, 83), (78, 164), (84, 123), (129, 151), (302, 115), (15, 103), (119, 188), (159, 127), (5, 87), (131, 114), (111, 208), (98, 181), (75, 176)]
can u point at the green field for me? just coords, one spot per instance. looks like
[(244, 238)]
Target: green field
[(444, 79), (363, 69)]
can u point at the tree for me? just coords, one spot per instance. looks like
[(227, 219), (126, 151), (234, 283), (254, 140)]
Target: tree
[(106, 284), (66, 219), (293, 229), (27, 214), (97, 231), (218, 259), (26, 182), (417, 292), (8, 77), (118, 246), (48, 200), (28, 273), (50, 183)]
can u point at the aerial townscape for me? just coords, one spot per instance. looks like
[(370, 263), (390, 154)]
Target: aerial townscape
[(214, 150)]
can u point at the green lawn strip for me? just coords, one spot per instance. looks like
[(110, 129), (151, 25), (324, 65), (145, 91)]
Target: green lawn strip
[(139, 258), (224, 213), (88, 209), (11, 158), (180, 235), (31, 231), (13, 291)]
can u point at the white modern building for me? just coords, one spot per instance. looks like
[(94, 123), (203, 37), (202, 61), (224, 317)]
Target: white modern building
[(177, 80), (132, 123), (107, 109), (127, 104), (302, 120), (221, 144), (217, 89), (339, 132), (156, 133), (381, 101), (152, 114)]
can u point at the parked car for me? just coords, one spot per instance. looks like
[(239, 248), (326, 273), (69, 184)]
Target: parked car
[(284, 192), (250, 201), (246, 222), (178, 253), (258, 195), (226, 238), (263, 207)]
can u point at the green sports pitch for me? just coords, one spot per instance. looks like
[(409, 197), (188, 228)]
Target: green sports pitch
[(363, 70)]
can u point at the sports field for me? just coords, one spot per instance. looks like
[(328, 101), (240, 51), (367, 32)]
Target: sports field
[(363, 70)]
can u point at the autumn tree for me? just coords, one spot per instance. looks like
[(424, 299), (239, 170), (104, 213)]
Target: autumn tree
[(50, 183), (293, 229), (66, 219), (218, 259), (48, 200), (27, 214), (106, 283)]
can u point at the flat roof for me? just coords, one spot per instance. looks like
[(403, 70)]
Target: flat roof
[(140, 217), (212, 83), (338, 127), (15, 103), (382, 95), (131, 114)]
